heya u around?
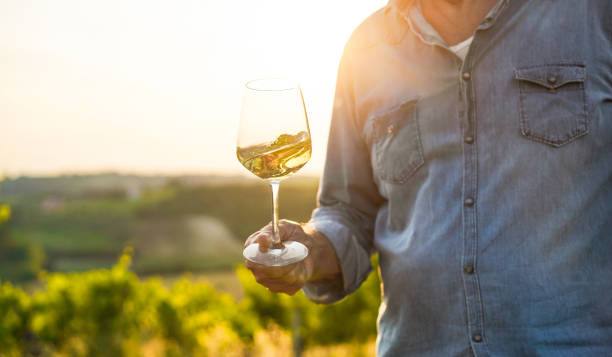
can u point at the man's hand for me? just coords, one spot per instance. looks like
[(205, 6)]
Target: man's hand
[(320, 264)]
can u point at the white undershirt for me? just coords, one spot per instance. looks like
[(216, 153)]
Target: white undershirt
[(461, 49)]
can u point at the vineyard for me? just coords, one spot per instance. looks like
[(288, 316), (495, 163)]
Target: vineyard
[(84, 277), (111, 312)]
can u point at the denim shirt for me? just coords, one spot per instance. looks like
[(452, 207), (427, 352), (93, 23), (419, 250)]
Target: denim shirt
[(484, 185)]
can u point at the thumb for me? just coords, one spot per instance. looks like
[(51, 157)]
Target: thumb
[(291, 231)]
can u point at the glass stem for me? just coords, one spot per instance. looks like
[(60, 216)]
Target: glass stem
[(276, 243)]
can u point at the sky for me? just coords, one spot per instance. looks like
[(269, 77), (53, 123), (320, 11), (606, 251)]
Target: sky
[(155, 87)]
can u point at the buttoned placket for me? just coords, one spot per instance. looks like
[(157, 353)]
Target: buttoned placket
[(473, 303), (469, 259), (467, 116)]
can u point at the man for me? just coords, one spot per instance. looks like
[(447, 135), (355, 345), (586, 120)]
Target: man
[(483, 182)]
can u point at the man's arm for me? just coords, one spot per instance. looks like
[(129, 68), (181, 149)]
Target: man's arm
[(348, 196)]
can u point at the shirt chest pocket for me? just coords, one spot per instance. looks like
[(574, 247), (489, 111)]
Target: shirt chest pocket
[(553, 103), (395, 143)]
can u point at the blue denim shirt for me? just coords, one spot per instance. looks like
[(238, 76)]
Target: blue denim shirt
[(484, 185)]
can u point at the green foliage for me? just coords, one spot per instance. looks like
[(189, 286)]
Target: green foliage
[(111, 312), (320, 324), (92, 312), (5, 213), (14, 318)]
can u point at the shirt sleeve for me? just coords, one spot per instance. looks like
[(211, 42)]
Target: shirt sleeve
[(348, 198)]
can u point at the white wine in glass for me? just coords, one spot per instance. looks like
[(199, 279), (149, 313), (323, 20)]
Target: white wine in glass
[(273, 143)]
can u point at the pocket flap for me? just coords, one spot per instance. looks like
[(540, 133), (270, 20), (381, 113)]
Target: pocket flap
[(388, 122), (551, 76)]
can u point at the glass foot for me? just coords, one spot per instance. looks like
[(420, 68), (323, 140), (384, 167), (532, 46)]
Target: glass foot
[(293, 252)]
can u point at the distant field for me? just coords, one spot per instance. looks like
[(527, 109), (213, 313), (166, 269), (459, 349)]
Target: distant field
[(173, 224), (195, 242)]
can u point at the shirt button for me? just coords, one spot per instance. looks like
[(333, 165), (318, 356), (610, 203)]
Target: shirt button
[(477, 338), (552, 79), (468, 269), (469, 201), (466, 75), (468, 139)]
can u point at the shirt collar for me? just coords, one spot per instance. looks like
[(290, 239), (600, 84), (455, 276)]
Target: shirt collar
[(408, 11)]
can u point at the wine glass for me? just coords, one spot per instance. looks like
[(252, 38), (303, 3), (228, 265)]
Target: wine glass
[(273, 143)]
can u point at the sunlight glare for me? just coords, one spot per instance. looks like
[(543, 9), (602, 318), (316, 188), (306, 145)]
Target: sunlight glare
[(156, 86)]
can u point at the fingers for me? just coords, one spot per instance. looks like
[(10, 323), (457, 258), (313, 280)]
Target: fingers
[(265, 241), (263, 237), (255, 236), (288, 230), (287, 289), (270, 272), (286, 279)]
